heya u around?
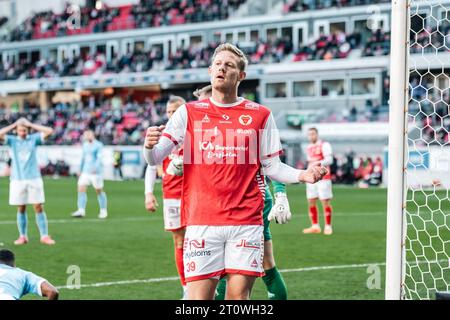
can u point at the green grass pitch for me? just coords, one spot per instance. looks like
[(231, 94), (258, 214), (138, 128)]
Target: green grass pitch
[(132, 245)]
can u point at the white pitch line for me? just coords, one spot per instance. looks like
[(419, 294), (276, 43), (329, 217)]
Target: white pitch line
[(105, 284), (81, 220), (154, 217), (318, 268)]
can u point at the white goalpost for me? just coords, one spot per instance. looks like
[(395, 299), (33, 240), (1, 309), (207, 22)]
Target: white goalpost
[(418, 207)]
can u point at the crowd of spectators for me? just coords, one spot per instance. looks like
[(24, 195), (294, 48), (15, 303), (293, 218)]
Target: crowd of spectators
[(431, 40), (197, 55), (349, 168), (73, 20), (379, 44), (154, 13), (114, 122), (304, 5), (333, 46), (98, 17), (429, 111)]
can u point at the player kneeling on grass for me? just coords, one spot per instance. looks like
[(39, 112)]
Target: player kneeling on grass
[(223, 184), (171, 186), (26, 186), (15, 282), (91, 169)]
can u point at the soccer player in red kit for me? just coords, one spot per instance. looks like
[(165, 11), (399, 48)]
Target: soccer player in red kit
[(230, 143), (319, 151), (171, 187)]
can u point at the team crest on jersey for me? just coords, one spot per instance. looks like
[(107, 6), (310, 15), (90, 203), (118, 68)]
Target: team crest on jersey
[(245, 120), (251, 106)]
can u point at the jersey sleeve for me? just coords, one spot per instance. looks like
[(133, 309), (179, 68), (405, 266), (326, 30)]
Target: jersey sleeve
[(270, 145), (38, 138), (149, 180), (176, 127), (327, 154), (33, 284)]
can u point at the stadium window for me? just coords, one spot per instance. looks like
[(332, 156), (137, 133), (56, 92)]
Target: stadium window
[(272, 34), (241, 36), (35, 56), (304, 89), (254, 35), (276, 90), (196, 39), (337, 26), (333, 88), (101, 49), (286, 32), (217, 36), (84, 51), (363, 86), (53, 53), (229, 37), (23, 56), (139, 46)]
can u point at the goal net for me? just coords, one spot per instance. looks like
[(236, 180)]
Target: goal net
[(418, 196)]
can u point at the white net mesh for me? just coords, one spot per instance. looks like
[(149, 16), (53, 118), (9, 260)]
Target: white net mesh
[(427, 247)]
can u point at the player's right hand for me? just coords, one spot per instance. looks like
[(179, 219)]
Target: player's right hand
[(152, 136), (150, 202), (314, 173)]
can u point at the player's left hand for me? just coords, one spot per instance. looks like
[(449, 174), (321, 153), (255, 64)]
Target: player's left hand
[(150, 202), (281, 211), (314, 173)]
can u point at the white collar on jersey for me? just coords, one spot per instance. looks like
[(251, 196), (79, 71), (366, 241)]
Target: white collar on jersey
[(238, 102)]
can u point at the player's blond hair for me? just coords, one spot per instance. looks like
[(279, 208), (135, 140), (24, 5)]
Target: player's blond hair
[(207, 89), (176, 100), (243, 61)]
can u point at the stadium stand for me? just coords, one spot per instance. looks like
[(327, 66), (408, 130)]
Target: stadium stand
[(275, 50), (146, 14), (304, 5)]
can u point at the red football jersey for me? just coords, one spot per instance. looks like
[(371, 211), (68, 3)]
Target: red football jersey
[(171, 184), (223, 145), (317, 152)]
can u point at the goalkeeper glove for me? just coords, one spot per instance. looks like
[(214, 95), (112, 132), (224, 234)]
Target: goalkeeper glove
[(280, 210), (175, 167)]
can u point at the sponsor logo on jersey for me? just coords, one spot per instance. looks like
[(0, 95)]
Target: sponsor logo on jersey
[(197, 244), (226, 119), (245, 131), (197, 253), (201, 105), (251, 106), (245, 120), (206, 145), (206, 118), (248, 244), (254, 264)]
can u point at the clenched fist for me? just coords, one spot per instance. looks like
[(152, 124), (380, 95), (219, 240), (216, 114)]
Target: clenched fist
[(314, 173), (152, 136)]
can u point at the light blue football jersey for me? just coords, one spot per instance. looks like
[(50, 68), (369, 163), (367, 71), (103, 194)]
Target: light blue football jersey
[(23, 156), (91, 161), (15, 283)]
